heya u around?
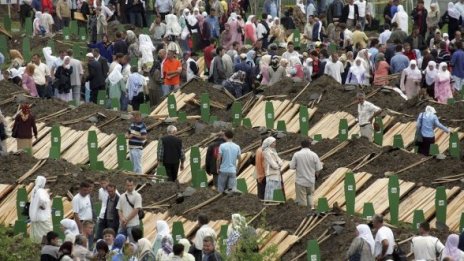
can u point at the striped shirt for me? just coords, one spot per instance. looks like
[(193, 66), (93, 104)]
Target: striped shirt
[(137, 128)]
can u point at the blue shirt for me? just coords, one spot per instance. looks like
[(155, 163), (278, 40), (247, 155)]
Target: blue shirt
[(393, 10), (457, 62), (214, 25), (229, 152), (398, 63), (429, 122)]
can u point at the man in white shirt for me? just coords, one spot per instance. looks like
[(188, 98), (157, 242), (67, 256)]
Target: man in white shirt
[(128, 206), (384, 239), (334, 68), (47, 22), (290, 52), (307, 165), (41, 73), (385, 35), (366, 114), (203, 231), (425, 246), (460, 7), (82, 207), (76, 77), (362, 12), (103, 198), (163, 7)]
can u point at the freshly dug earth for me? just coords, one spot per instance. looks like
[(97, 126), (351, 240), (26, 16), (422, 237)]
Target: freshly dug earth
[(7, 89), (346, 156), (197, 198), (40, 107), (221, 209), (199, 87), (194, 110), (286, 87), (286, 216)]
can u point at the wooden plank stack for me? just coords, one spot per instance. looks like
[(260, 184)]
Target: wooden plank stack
[(442, 138), (387, 121), (109, 155), (293, 125), (422, 198), (161, 111), (42, 131), (407, 130), (69, 136), (328, 125), (377, 194), (334, 187), (78, 153), (257, 113), (150, 157), (8, 213)]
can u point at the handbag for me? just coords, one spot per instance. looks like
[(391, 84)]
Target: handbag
[(141, 212), (357, 255), (399, 254), (418, 137)]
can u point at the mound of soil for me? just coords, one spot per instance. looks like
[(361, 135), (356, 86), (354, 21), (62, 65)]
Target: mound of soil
[(194, 110), (287, 216), (7, 89), (197, 198), (347, 155), (40, 107), (199, 87), (285, 86)]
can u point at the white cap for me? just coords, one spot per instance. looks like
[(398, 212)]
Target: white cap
[(243, 55), (89, 55)]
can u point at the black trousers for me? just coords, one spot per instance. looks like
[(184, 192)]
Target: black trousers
[(137, 100), (42, 90), (197, 254), (94, 93), (424, 146), (171, 170), (261, 188)]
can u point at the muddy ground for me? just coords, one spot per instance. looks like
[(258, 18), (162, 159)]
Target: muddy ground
[(199, 87)]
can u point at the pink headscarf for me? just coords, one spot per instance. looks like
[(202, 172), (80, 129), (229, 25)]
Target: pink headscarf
[(451, 247)]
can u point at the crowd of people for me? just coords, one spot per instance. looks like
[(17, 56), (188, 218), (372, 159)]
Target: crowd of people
[(240, 53)]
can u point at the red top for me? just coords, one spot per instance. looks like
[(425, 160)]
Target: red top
[(209, 55), (169, 66), (410, 54)]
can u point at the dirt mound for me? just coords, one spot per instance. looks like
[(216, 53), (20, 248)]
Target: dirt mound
[(40, 107), (199, 87), (197, 198), (286, 87), (194, 110), (287, 216), (7, 89)]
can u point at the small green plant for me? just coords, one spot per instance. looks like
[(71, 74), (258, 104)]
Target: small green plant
[(16, 247)]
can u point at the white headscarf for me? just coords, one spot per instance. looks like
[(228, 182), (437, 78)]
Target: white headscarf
[(413, 73), (429, 110), (238, 222), (431, 74), (146, 48), (192, 20), (143, 246), (115, 75), (265, 60), (300, 4), (249, 20), (452, 11), (267, 142), (162, 228), (68, 65), (358, 71), (401, 17), (366, 234), (70, 226), (49, 58), (443, 75), (233, 17), (40, 208), (172, 25)]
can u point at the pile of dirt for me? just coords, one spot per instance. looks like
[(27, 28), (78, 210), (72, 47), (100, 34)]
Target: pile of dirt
[(199, 87), (222, 209), (197, 198), (7, 89), (156, 192), (286, 87), (287, 216), (85, 110), (194, 110), (40, 107), (346, 156)]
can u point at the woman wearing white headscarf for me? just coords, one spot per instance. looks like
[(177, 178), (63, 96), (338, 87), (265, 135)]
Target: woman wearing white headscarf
[(425, 126), (272, 165), (277, 34), (433, 17), (365, 61), (146, 49), (115, 84), (443, 84), (362, 245), (234, 232), (236, 26), (410, 80), (186, 256), (37, 25), (40, 210), (162, 229), (62, 82), (430, 74), (356, 73), (264, 65), (453, 18), (144, 252), (172, 26), (401, 18), (70, 229)]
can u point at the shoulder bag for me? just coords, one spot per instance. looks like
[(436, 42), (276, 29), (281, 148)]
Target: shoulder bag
[(141, 212), (418, 138)]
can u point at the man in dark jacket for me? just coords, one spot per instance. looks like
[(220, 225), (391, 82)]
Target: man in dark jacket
[(335, 11), (119, 45), (419, 16), (350, 14), (245, 67), (111, 217), (95, 78), (102, 60), (170, 153), (211, 157)]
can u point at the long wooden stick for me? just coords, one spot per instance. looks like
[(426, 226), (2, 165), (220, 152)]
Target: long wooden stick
[(299, 94), (108, 122), (301, 225), (256, 216), (312, 227), (368, 161), (413, 165), (334, 150)]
